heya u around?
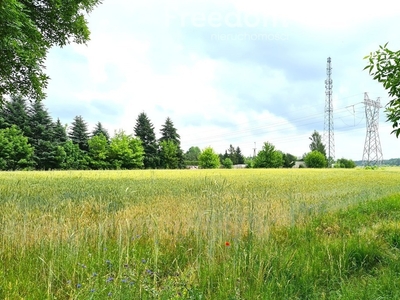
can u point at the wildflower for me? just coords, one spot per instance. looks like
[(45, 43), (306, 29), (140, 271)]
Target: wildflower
[(143, 261), (150, 272), (78, 285), (92, 290), (227, 244), (94, 274), (124, 280), (109, 294), (109, 279)]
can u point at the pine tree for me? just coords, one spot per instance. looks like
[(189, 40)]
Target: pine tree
[(239, 156), (169, 133), (99, 129), (79, 133), (47, 153), (144, 130), (59, 132), (15, 112)]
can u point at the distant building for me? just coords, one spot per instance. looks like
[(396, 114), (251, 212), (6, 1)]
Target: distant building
[(241, 166), (299, 164)]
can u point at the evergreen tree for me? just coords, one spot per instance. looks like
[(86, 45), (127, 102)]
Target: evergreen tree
[(59, 132), (47, 153), (99, 129), (15, 112), (169, 133), (79, 133), (239, 156), (144, 130), (231, 154)]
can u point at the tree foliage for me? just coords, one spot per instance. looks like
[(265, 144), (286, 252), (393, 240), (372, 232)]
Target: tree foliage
[(15, 112), (126, 152), (169, 155), (316, 143), (345, 163), (289, 160), (144, 130), (79, 133), (15, 151), (268, 157), (98, 152), (208, 159), (100, 130), (28, 29), (384, 66), (227, 163), (315, 159), (170, 133), (192, 154)]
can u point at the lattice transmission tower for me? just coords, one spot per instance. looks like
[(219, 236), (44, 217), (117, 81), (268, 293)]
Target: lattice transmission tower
[(372, 155), (329, 137)]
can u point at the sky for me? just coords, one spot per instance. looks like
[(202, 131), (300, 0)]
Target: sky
[(228, 72)]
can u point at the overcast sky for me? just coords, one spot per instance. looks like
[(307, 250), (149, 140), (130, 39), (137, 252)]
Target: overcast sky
[(228, 72)]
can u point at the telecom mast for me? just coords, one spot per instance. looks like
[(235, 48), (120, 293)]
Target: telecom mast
[(372, 155), (329, 138)]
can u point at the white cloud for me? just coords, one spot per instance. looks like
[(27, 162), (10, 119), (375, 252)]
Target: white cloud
[(221, 92)]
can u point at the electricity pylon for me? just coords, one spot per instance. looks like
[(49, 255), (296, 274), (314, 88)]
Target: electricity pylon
[(372, 155)]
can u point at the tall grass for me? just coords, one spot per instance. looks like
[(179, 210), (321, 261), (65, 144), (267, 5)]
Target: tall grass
[(225, 234)]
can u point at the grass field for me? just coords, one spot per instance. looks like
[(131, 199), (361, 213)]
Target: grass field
[(200, 234)]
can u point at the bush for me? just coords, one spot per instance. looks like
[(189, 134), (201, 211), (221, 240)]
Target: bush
[(345, 163), (227, 163), (208, 159), (315, 159)]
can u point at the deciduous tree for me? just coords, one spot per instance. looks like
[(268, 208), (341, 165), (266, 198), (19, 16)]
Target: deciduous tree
[(28, 29), (268, 157), (126, 152), (15, 151), (315, 159), (384, 65), (169, 155), (208, 159), (316, 143)]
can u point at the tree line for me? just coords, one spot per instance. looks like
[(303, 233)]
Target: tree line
[(30, 139)]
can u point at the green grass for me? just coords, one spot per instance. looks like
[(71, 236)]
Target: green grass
[(293, 234)]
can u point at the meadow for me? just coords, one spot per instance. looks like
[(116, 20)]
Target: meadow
[(200, 234)]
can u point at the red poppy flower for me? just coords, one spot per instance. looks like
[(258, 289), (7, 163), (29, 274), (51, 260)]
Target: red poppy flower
[(227, 244)]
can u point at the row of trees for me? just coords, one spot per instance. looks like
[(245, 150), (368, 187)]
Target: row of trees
[(29, 139), (270, 157)]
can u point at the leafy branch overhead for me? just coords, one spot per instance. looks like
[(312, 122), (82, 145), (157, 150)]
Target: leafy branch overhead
[(28, 29), (384, 66)]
